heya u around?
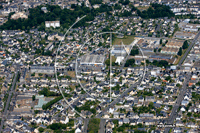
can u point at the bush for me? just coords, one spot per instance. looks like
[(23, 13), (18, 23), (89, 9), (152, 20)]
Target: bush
[(41, 129)]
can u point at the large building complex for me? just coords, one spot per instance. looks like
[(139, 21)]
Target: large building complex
[(172, 47), (92, 60), (42, 69)]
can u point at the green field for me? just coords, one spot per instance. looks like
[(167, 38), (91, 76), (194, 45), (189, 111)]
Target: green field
[(127, 40), (93, 125)]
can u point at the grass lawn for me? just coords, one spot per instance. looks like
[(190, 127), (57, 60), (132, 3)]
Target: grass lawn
[(113, 59), (71, 74), (83, 81), (93, 125), (127, 40), (141, 8), (72, 86)]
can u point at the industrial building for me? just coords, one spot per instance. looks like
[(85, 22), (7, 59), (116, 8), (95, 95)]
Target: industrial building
[(184, 35), (160, 57), (42, 69), (118, 50), (149, 42), (92, 60), (191, 27), (174, 44), (168, 50), (172, 47)]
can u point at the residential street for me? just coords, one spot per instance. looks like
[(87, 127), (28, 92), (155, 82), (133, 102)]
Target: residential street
[(5, 113), (173, 114)]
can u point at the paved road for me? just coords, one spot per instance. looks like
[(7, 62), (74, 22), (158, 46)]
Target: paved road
[(5, 114), (127, 57), (117, 99), (86, 121), (189, 48), (184, 87), (102, 125), (178, 102)]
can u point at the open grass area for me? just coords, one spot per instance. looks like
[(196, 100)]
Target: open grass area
[(141, 8), (72, 86), (71, 74), (83, 81), (93, 125), (113, 59), (127, 40)]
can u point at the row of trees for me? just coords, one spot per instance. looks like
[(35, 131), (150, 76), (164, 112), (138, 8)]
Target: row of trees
[(59, 126), (160, 63), (46, 92), (185, 46), (49, 104)]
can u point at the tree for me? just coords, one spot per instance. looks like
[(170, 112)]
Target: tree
[(160, 41), (180, 52), (124, 2), (151, 106), (24, 85), (189, 114), (93, 2), (178, 85), (37, 17), (160, 63), (154, 50), (41, 129), (120, 79), (193, 86), (185, 45), (134, 52), (147, 61), (33, 98), (130, 62), (156, 11), (168, 78)]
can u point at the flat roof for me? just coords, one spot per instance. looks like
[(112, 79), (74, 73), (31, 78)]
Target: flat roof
[(92, 59), (43, 67), (160, 57)]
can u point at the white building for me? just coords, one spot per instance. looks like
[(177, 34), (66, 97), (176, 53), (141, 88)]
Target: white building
[(119, 59), (53, 24)]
